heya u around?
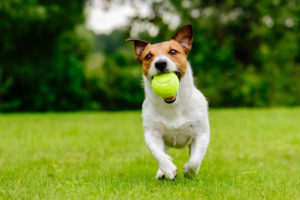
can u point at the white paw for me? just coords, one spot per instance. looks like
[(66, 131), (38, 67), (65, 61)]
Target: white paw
[(159, 174), (190, 169), (168, 169)]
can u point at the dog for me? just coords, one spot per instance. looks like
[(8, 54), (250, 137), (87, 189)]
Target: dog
[(179, 121)]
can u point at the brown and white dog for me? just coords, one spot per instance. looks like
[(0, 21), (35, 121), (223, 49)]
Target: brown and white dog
[(179, 121)]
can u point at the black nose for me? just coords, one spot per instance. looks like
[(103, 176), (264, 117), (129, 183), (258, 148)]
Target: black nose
[(161, 65)]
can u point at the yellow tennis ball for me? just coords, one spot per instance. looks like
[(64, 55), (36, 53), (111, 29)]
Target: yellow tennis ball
[(165, 85)]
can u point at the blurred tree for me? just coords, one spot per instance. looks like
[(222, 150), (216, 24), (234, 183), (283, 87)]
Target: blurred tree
[(116, 82), (41, 53), (245, 53)]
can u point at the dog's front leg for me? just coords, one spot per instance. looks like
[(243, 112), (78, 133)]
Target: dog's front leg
[(197, 151), (156, 145)]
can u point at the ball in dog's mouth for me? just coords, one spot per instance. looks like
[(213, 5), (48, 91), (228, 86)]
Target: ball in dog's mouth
[(170, 100)]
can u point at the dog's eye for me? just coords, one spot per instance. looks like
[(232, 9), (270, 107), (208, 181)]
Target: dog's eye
[(148, 56), (173, 52)]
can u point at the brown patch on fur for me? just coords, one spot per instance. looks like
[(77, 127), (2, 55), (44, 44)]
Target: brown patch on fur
[(164, 49), (185, 37), (139, 46), (181, 42)]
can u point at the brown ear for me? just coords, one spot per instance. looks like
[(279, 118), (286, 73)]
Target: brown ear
[(139, 46), (185, 37)]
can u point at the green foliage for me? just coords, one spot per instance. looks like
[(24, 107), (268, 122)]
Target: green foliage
[(104, 156), (245, 53), (117, 84), (121, 85), (41, 55)]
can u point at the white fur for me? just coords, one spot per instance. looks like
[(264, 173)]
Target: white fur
[(183, 123)]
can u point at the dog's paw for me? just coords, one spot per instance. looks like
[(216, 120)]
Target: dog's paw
[(167, 170), (190, 169), (159, 175)]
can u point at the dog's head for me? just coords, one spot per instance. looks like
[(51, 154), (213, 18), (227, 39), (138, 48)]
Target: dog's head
[(168, 56)]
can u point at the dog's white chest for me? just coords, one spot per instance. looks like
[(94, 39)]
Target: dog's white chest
[(180, 123), (181, 136)]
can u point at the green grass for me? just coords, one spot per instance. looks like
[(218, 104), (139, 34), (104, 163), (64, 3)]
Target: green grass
[(253, 154)]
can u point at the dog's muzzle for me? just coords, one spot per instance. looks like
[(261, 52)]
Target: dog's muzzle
[(170, 100)]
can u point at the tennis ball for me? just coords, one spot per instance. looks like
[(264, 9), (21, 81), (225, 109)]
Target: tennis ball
[(165, 85)]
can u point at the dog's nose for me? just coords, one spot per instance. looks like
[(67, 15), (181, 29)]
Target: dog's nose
[(161, 65)]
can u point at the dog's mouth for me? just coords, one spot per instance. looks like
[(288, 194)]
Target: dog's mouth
[(178, 74), (170, 100)]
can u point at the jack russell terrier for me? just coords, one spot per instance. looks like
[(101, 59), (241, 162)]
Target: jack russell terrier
[(179, 121)]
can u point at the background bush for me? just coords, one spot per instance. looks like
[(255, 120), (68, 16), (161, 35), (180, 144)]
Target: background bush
[(41, 54), (245, 53)]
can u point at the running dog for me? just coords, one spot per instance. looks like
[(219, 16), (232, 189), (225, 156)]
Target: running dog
[(179, 121)]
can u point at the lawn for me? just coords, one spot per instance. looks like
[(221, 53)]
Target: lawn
[(253, 154)]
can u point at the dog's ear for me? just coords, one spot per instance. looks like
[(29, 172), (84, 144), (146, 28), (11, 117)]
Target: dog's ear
[(139, 46), (185, 37)]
